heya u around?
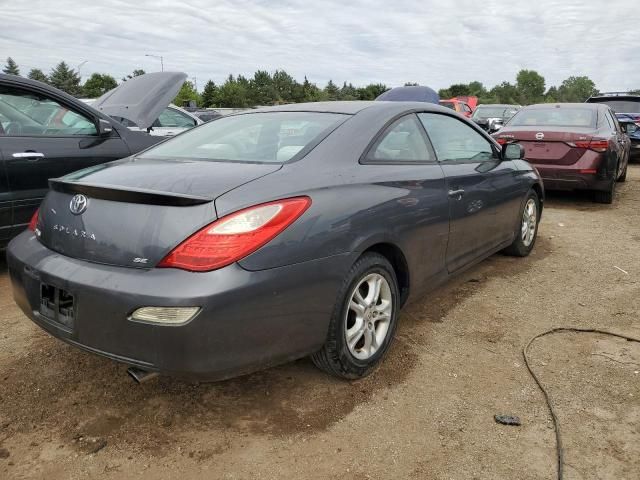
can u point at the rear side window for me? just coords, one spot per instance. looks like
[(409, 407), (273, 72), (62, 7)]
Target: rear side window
[(620, 106), (402, 142), (454, 140), (554, 116), (174, 119), (269, 137)]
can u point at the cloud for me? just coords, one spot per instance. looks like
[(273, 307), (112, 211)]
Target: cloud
[(431, 42)]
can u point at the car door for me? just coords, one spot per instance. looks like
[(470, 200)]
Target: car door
[(6, 202), (402, 162), (484, 191), (47, 137), (623, 141)]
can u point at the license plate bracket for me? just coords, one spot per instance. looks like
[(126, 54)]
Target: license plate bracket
[(57, 305)]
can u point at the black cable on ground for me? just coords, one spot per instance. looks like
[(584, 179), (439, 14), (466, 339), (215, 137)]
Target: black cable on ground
[(556, 424)]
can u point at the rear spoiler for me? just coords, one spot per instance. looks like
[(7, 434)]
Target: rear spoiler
[(116, 193)]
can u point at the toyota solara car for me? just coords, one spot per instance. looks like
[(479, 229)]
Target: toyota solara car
[(271, 235), (575, 146)]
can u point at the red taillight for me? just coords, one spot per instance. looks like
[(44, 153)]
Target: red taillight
[(235, 236), (34, 221), (596, 144), (590, 171), (501, 141)]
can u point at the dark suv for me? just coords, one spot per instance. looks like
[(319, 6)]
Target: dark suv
[(626, 106)]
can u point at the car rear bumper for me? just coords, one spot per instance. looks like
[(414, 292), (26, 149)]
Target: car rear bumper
[(589, 173), (248, 320)]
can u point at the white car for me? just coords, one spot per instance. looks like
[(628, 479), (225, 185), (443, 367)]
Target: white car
[(142, 104)]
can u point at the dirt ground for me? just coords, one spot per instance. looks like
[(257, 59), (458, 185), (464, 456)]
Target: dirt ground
[(427, 413)]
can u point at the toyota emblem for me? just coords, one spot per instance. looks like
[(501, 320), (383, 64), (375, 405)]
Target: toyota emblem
[(78, 204), (539, 136)]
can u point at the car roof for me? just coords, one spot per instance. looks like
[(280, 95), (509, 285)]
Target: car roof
[(591, 106), (351, 107)]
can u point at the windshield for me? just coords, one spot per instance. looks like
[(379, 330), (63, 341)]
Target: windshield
[(553, 116), (270, 137), (494, 112), (622, 106)]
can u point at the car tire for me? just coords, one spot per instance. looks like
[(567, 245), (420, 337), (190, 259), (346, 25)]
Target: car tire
[(527, 230), (605, 196), (369, 320)]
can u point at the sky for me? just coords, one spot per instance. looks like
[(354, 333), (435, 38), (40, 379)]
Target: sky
[(434, 43)]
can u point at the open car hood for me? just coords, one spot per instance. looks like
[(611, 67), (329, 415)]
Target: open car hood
[(141, 99)]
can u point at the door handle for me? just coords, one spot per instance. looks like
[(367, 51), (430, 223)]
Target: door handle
[(457, 194), (33, 156)]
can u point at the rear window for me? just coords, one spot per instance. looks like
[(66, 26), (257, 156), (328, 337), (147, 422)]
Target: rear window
[(450, 105), (270, 137), (621, 106), (493, 112), (554, 116)]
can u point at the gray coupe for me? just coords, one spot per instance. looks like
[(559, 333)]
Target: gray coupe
[(271, 235)]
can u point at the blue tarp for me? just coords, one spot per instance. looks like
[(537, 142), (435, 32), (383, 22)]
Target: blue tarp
[(410, 94)]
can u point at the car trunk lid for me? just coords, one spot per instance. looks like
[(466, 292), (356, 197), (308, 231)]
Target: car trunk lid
[(548, 145), (136, 210)]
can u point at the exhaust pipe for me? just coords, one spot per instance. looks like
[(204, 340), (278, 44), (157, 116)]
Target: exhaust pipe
[(140, 375)]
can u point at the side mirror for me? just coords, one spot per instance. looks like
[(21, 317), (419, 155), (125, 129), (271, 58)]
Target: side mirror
[(512, 151), (104, 127)]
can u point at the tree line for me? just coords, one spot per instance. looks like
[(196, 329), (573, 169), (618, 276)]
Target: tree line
[(266, 88)]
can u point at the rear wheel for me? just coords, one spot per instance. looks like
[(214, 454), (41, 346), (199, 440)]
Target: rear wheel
[(605, 196), (364, 320), (528, 229)]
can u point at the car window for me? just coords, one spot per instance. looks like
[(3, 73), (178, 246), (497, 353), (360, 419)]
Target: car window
[(619, 106), (403, 141), (261, 137), (454, 140), (466, 108), (31, 114), (450, 105), (614, 121), (174, 119)]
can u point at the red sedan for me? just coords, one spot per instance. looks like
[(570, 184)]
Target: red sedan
[(573, 146)]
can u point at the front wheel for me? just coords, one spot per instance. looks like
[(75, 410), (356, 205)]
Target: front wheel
[(527, 231), (364, 319)]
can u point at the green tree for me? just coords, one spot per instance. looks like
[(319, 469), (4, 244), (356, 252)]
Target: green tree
[(284, 86), (310, 91), (11, 68), (576, 89), (39, 75), (210, 95), (372, 91), (552, 95), (348, 92), (66, 79), (234, 93), (530, 86), (504, 93), (187, 94), (332, 91), (135, 73), (261, 89), (98, 84)]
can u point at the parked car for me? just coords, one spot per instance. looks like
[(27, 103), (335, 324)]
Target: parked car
[(270, 235), (207, 115), (458, 106), (492, 117), (46, 133), (170, 122), (573, 146), (626, 106)]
